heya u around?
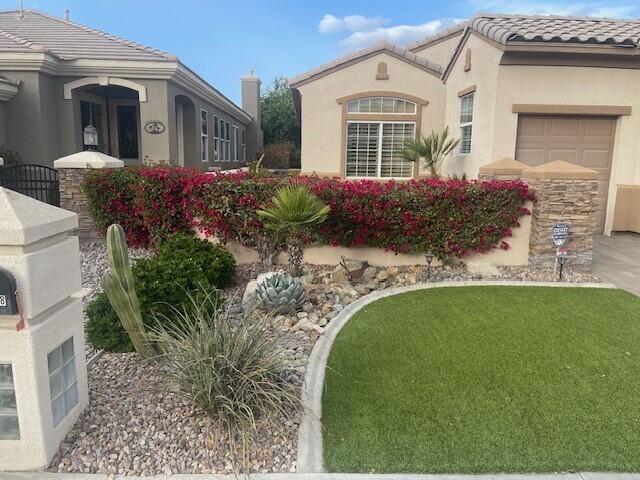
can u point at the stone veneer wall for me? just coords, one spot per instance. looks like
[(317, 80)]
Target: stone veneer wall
[(72, 198), (72, 170), (566, 193), (563, 200)]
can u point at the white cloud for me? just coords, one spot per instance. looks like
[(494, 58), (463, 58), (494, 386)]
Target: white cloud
[(397, 34), (350, 23), (585, 9)]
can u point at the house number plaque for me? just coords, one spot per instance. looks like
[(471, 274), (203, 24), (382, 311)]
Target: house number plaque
[(8, 302), (154, 127)]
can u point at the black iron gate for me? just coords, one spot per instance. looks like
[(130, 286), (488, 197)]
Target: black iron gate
[(36, 181)]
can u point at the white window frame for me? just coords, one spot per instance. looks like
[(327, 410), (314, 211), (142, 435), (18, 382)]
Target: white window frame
[(235, 143), (243, 143), (227, 140), (381, 112), (67, 385), (204, 135), (379, 153), (216, 139), (467, 124)]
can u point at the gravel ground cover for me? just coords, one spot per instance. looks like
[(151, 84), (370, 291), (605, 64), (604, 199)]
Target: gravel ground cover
[(134, 426)]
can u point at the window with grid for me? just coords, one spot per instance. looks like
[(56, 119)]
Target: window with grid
[(466, 122), (374, 149), (204, 135), (63, 385), (381, 105), (9, 428), (235, 146)]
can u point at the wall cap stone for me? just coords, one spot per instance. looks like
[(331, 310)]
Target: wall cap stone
[(88, 159), (504, 166), (560, 170), (25, 220)]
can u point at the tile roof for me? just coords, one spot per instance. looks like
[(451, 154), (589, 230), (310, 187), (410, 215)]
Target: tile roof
[(380, 47), (37, 31), (449, 32), (506, 29)]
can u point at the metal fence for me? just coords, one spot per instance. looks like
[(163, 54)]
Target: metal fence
[(36, 181)]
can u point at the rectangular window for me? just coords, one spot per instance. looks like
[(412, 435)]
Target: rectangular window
[(9, 428), (466, 122), (216, 140), (227, 142), (374, 149), (236, 147), (204, 135), (244, 146), (63, 385)]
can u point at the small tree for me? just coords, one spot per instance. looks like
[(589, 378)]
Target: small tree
[(431, 150), (279, 122), (292, 213)]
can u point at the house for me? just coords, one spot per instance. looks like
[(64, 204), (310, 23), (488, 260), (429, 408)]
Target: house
[(58, 77), (533, 88)]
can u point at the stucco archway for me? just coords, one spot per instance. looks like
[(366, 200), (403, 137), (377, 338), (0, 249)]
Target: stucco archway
[(69, 87)]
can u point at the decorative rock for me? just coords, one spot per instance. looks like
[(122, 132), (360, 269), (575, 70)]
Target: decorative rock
[(382, 275), (368, 274), (249, 298)]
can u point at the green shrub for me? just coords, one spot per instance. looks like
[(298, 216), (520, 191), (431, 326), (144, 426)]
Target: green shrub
[(103, 328), (183, 265)]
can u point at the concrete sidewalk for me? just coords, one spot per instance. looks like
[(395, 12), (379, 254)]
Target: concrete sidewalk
[(327, 476)]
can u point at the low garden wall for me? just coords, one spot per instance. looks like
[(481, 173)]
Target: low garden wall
[(386, 223)]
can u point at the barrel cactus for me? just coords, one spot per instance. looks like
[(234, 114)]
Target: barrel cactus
[(281, 293)]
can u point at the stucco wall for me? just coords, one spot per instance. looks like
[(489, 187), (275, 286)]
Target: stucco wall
[(26, 120), (194, 160), (322, 115), (440, 52), (499, 87), (483, 74), (3, 137)]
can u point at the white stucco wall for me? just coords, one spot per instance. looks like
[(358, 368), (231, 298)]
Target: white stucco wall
[(322, 115)]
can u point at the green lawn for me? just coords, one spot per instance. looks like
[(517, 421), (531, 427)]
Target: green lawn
[(487, 379)]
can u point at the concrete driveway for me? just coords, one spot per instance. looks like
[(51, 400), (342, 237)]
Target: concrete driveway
[(616, 259)]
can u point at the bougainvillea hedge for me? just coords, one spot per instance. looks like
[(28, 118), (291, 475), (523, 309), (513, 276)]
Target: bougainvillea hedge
[(450, 218)]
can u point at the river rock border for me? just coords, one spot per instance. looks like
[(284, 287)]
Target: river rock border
[(310, 446)]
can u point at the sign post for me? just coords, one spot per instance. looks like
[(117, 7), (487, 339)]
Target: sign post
[(560, 235)]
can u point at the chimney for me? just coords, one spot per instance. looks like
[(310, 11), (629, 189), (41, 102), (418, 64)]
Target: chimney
[(251, 105), (66, 15)]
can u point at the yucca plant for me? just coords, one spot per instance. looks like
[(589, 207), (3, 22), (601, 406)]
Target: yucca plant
[(120, 288), (292, 213), (232, 369), (431, 150)]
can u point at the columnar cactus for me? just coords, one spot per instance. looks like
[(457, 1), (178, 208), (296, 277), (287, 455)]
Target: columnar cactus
[(281, 293), (119, 286)]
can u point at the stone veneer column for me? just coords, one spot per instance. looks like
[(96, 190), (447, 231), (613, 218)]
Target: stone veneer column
[(504, 169), (565, 193), (72, 170)]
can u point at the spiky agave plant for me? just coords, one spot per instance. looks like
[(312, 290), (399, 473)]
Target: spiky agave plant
[(292, 213), (120, 288), (431, 150)]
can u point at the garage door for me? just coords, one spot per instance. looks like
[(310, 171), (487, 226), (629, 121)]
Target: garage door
[(585, 141)]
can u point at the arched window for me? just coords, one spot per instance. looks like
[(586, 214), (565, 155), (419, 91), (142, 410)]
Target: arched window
[(386, 105)]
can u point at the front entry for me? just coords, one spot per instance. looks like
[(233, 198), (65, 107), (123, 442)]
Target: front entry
[(115, 114), (583, 140)]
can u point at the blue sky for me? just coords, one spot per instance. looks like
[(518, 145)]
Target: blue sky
[(222, 40)]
